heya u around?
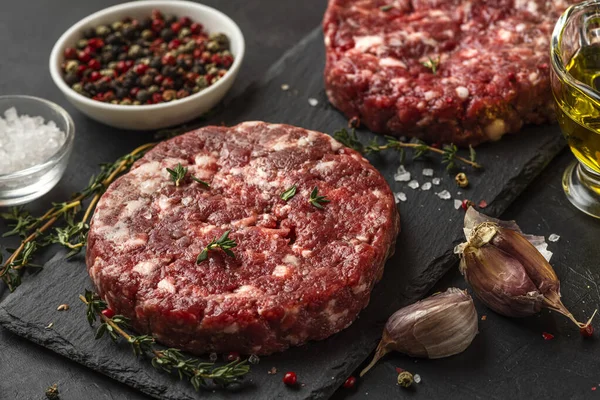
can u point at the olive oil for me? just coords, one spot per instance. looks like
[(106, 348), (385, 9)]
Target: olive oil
[(579, 113)]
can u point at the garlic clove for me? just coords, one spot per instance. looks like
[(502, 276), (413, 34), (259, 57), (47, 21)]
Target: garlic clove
[(439, 326), (500, 281), (457, 321)]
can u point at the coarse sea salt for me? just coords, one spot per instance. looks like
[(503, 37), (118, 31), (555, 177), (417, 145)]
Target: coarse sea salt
[(457, 203), (402, 175), (26, 141), (436, 181), (400, 197), (553, 237), (426, 186), (413, 184), (444, 195), (428, 172), (313, 102)]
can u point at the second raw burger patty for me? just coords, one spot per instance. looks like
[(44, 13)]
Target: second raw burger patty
[(491, 65), (299, 273)]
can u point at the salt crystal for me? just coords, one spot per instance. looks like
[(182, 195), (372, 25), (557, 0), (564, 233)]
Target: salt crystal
[(400, 197), (413, 184), (553, 237), (313, 102), (417, 378), (253, 359), (402, 175), (426, 186), (26, 141), (285, 87), (444, 195), (436, 181), (457, 203), (428, 172), (458, 193)]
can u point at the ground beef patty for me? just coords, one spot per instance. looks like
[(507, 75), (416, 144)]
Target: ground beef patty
[(299, 273), (492, 73)]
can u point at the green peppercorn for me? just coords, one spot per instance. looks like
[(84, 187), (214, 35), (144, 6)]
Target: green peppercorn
[(71, 66), (213, 46), (169, 95), (137, 103), (184, 32), (201, 82), (142, 96), (220, 38), (129, 32), (225, 53), (213, 71), (78, 87), (153, 89), (117, 25), (147, 34), (107, 72), (189, 46), (214, 79), (210, 66), (113, 65), (195, 90), (114, 102), (166, 34), (81, 43), (126, 102), (102, 30), (134, 51)]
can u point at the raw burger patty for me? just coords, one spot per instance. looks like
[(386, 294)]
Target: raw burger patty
[(492, 77), (299, 273)]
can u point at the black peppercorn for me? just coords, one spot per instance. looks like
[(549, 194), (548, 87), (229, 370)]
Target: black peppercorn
[(101, 86), (71, 78), (142, 96), (113, 39), (220, 38), (155, 62), (129, 32), (146, 80), (169, 19), (89, 33), (146, 23), (89, 87), (121, 92), (168, 70), (107, 57), (122, 56), (166, 34), (198, 69)]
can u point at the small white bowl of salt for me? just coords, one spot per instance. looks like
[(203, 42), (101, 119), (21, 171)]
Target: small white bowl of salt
[(36, 139)]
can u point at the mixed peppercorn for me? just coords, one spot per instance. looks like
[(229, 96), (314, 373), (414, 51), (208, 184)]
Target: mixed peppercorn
[(154, 60)]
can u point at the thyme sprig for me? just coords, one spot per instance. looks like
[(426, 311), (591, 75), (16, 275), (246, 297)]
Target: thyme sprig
[(179, 173), (172, 361), (449, 152), (289, 193), (37, 232), (223, 243), (317, 200)]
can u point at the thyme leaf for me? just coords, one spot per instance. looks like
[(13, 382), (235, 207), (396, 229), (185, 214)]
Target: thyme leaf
[(348, 139), (223, 243), (205, 184), (289, 193), (472, 154), (432, 64), (386, 8), (317, 200), (171, 361)]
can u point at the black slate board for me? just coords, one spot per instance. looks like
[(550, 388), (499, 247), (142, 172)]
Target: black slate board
[(430, 229)]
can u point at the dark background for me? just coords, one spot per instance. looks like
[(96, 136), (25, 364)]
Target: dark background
[(509, 358)]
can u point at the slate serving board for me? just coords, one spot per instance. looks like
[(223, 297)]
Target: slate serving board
[(430, 229)]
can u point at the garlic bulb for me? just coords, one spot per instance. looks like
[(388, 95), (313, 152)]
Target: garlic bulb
[(439, 326), (506, 270)]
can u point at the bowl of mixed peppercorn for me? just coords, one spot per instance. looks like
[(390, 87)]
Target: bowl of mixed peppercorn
[(148, 65)]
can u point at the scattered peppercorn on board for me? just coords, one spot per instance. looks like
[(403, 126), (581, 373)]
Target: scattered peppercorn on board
[(431, 218)]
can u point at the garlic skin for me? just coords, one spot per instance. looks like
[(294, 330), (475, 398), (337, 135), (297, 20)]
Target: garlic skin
[(506, 270), (439, 326)]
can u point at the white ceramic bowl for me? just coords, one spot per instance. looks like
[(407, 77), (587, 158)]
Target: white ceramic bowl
[(154, 116)]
